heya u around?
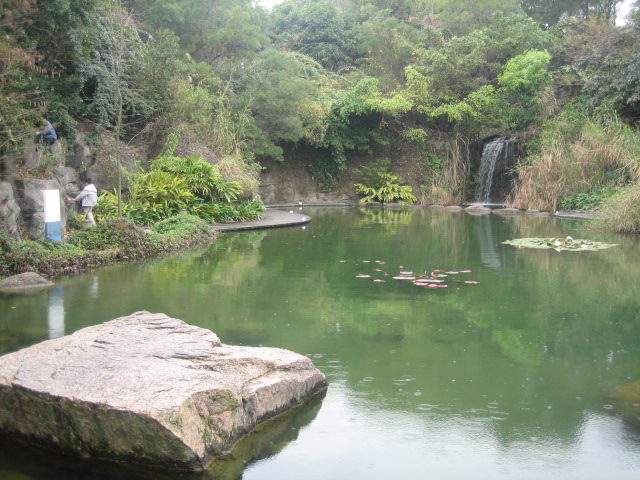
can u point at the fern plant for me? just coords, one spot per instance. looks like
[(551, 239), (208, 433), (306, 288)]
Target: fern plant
[(379, 185)]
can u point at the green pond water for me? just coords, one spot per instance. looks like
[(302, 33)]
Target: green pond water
[(502, 374)]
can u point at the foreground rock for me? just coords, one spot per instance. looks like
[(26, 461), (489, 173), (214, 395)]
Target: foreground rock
[(148, 388)]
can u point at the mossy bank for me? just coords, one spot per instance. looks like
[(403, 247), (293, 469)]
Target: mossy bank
[(111, 241)]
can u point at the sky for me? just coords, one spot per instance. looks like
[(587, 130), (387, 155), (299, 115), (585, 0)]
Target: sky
[(268, 4), (624, 8)]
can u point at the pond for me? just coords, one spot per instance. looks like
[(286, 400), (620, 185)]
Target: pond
[(501, 372)]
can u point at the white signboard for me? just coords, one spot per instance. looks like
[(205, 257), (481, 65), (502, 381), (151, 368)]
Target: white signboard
[(51, 206)]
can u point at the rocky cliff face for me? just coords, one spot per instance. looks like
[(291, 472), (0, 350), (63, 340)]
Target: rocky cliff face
[(23, 179)]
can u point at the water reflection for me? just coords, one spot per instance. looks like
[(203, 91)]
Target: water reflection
[(500, 379), (488, 247), (55, 312)]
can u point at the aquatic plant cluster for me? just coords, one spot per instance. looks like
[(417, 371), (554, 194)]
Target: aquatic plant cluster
[(559, 244), (428, 279)]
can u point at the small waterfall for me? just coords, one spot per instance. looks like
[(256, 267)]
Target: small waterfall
[(494, 152)]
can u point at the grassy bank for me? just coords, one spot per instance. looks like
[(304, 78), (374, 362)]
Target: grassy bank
[(111, 241), (585, 164)]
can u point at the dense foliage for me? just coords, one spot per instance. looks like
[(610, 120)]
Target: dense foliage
[(319, 81)]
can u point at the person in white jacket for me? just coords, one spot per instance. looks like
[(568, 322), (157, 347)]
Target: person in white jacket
[(88, 198)]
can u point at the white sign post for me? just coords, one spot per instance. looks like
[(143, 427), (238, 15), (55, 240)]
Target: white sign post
[(52, 225)]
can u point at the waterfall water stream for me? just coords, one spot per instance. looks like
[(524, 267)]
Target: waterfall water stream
[(493, 152)]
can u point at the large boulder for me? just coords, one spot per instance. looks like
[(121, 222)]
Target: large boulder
[(23, 281), (31, 200), (150, 389), (9, 209)]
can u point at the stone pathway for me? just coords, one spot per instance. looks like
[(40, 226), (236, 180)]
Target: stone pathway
[(273, 218)]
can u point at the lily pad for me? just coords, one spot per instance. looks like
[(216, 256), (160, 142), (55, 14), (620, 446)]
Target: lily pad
[(559, 244), (435, 279)]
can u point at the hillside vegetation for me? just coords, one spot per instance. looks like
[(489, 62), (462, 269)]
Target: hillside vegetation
[(326, 80)]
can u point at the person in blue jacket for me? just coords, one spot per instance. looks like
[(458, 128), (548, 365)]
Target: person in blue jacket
[(47, 133)]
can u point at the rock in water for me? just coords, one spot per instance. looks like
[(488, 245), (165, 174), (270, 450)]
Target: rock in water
[(148, 388), (625, 399), (24, 281)]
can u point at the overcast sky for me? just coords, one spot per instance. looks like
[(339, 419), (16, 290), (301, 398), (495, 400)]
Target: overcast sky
[(624, 8), (268, 4)]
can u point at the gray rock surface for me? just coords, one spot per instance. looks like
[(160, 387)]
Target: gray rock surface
[(24, 280), (9, 209), (148, 388), (477, 210)]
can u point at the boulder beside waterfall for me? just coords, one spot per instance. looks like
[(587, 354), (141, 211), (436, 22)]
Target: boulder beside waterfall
[(148, 388)]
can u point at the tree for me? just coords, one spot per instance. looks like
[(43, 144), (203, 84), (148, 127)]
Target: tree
[(314, 28), (603, 62), (212, 31), (524, 78), (63, 34), (461, 18), (15, 61), (462, 65), (279, 88), (550, 12), (356, 122), (388, 45)]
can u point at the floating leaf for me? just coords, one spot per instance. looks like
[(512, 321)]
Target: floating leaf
[(426, 280)]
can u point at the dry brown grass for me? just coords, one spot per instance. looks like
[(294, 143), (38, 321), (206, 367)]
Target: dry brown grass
[(596, 155), (234, 168), (448, 187), (621, 212)]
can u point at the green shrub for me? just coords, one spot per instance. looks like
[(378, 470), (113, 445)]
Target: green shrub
[(202, 178), (381, 186), (391, 191), (175, 183), (180, 231), (44, 257), (584, 202), (122, 236), (249, 210)]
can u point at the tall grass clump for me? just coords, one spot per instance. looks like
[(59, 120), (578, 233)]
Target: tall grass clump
[(448, 184), (577, 155), (620, 212)]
